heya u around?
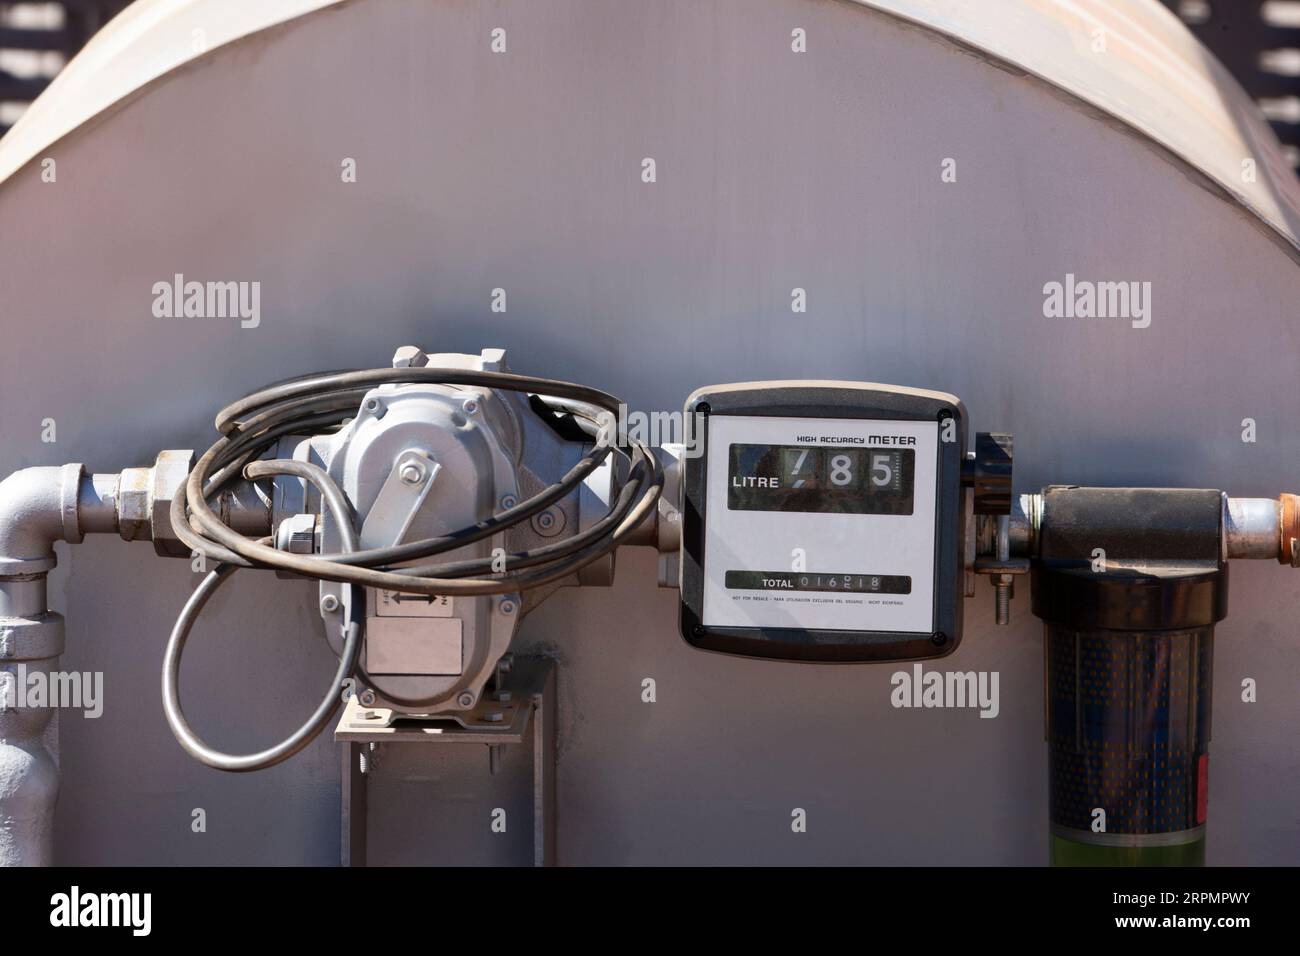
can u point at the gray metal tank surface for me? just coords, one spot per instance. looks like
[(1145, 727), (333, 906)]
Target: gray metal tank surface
[(775, 170)]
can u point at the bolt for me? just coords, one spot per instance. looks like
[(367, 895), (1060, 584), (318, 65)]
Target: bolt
[(329, 604), (495, 717), (466, 699), (372, 405), (367, 698), (470, 406), (363, 762), (494, 758), (507, 607), (508, 502), (503, 696), (409, 356), (411, 473), (549, 523), (1004, 587)]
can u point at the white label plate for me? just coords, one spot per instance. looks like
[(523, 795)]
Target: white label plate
[(832, 544)]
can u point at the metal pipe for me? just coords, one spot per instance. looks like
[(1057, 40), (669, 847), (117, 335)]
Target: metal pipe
[(97, 503), (661, 528), (1026, 515), (1251, 527), (1262, 528), (29, 772), (22, 596), (38, 506), (243, 507)]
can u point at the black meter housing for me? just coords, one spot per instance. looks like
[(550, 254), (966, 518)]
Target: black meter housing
[(865, 480)]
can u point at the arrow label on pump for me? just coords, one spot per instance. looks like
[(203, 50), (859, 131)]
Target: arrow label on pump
[(399, 604)]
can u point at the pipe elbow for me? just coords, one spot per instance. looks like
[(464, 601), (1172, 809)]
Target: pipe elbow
[(38, 506)]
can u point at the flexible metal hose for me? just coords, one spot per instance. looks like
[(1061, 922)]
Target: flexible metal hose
[(185, 735)]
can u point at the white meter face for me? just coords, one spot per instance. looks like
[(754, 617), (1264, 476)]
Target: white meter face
[(822, 521), (820, 524)]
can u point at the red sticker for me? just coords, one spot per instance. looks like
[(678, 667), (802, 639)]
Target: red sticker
[(1202, 786)]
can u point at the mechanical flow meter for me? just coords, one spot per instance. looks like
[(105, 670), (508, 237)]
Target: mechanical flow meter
[(824, 521)]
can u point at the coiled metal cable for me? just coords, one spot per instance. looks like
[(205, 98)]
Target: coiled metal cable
[(313, 403)]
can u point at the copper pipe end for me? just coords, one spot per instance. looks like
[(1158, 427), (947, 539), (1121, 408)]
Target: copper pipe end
[(1289, 512)]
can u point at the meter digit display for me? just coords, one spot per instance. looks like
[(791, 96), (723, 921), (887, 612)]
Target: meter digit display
[(824, 480)]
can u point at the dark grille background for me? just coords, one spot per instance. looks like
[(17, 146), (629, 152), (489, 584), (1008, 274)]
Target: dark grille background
[(36, 39), (1259, 42)]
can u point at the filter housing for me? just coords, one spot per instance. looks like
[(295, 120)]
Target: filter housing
[(1129, 618)]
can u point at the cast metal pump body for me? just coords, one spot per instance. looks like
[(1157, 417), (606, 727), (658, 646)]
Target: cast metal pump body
[(420, 461)]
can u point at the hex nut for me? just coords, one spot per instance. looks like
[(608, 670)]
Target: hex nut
[(297, 534), (133, 510), (410, 356), (167, 480)]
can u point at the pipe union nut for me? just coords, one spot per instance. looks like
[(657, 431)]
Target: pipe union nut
[(133, 512), (31, 638), (167, 480)]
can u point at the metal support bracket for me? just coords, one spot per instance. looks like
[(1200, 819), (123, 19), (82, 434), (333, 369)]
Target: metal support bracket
[(1002, 568), (519, 709)]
